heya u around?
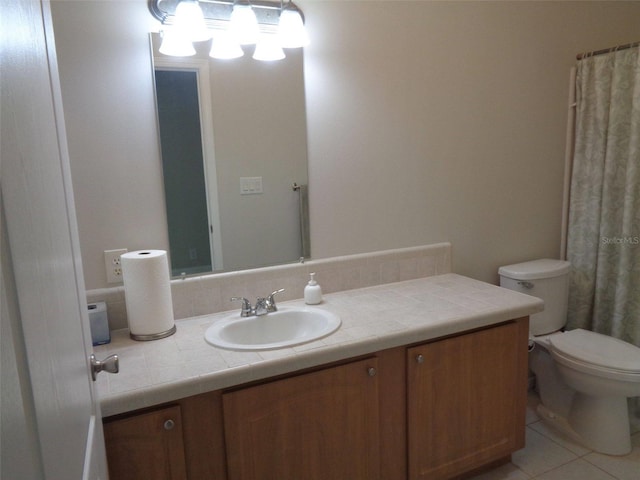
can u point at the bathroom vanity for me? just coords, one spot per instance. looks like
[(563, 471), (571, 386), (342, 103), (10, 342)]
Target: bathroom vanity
[(425, 379)]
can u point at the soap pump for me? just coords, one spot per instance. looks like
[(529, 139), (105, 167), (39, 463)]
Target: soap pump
[(312, 292)]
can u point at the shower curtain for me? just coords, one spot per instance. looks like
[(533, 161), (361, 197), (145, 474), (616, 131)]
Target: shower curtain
[(603, 239)]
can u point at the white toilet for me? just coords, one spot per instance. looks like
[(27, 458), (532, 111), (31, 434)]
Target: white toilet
[(583, 377)]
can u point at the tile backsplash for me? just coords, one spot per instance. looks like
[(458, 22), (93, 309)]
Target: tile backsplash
[(205, 294)]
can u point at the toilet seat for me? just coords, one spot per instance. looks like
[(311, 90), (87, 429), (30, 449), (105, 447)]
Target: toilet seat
[(598, 354), (595, 370)]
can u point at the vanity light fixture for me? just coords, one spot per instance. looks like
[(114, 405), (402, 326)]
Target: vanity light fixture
[(270, 25)]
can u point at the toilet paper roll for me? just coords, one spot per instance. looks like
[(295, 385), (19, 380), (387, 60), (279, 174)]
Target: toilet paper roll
[(147, 291)]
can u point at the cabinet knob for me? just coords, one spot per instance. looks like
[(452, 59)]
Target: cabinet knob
[(169, 424), (420, 358), (372, 371)]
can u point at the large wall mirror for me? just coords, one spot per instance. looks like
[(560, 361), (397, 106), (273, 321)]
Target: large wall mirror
[(234, 153)]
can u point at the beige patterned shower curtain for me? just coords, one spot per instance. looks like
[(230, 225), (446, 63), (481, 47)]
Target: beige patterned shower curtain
[(603, 239)]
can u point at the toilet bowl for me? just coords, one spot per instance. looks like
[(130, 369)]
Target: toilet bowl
[(603, 372), (584, 378)]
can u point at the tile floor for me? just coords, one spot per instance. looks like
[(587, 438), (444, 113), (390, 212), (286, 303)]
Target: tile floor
[(551, 456)]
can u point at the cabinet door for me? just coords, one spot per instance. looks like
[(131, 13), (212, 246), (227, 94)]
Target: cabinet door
[(466, 400), (321, 425), (146, 446)]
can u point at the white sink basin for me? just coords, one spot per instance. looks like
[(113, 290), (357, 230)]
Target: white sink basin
[(287, 327)]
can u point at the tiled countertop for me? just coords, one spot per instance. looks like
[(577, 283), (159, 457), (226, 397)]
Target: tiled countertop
[(373, 319)]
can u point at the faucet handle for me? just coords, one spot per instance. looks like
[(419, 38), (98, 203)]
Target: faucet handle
[(271, 302), (246, 306), (262, 306)]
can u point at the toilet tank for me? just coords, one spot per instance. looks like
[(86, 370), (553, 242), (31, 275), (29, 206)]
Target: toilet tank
[(547, 279)]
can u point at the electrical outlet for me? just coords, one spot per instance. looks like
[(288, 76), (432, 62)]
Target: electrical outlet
[(113, 266)]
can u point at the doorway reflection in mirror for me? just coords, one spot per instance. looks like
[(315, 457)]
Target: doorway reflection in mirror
[(239, 119)]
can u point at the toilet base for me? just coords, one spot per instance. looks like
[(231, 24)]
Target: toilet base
[(603, 422), (598, 423)]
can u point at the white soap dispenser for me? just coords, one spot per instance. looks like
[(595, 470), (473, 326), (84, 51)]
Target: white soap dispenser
[(312, 292)]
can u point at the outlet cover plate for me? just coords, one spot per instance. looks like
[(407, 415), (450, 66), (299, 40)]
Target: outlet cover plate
[(112, 264)]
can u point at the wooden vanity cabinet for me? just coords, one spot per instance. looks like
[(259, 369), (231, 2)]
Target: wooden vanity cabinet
[(466, 401), (147, 445), (320, 425), (183, 440), (433, 411)]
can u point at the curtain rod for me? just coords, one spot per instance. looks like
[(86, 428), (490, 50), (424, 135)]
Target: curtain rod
[(580, 56)]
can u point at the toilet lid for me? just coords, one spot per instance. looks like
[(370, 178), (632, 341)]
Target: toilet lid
[(597, 349)]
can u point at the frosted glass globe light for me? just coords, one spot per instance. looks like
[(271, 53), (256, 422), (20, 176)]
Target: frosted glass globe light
[(291, 29), (190, 21), (243, 24), (224, 46), (175, 44), (268, 48)]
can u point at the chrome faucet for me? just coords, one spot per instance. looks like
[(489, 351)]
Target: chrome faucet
[(263, 305)]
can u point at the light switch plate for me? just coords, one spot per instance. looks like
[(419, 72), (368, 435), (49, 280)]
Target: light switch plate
[(250, 185)]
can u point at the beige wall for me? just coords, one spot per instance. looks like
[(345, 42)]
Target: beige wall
[(433, 121), (427, 122)]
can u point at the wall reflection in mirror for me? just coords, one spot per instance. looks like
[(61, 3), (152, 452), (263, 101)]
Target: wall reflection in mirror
[(233, 141)]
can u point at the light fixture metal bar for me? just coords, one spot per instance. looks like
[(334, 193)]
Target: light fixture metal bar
[(218, 12)]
